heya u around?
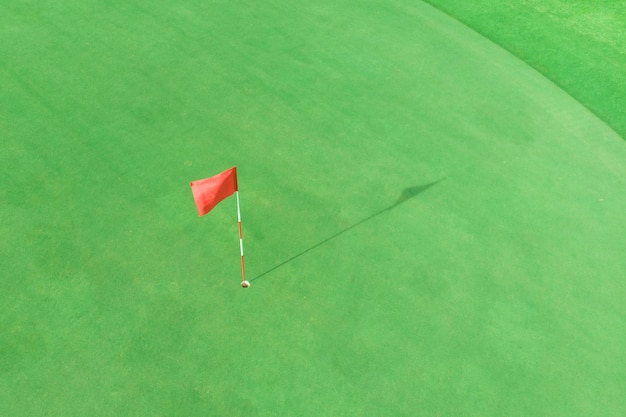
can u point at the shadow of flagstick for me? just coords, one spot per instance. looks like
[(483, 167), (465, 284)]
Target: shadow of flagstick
[(407, 194)]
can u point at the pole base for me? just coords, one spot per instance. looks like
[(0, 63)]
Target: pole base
[(245, 284)]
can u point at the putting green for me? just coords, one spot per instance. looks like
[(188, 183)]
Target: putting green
[(431, 227)]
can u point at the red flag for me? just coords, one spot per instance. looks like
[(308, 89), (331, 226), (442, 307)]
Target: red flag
[(210, 191)]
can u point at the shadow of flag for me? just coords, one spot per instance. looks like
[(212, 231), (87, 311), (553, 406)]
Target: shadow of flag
[(406, 195)]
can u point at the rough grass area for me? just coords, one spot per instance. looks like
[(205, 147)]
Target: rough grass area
[(580, 45)]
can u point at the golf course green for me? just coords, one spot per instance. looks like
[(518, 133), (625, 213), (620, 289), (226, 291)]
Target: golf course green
[(432, 199)]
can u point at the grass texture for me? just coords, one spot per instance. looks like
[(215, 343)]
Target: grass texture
[(431, 226), (579, 45)]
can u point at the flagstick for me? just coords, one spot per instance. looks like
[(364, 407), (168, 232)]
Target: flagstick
[(244, 283)]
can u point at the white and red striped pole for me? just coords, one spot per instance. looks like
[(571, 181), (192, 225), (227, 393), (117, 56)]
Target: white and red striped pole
[(244, 283)]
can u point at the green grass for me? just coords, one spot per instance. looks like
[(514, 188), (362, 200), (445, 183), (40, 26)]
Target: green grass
[(498, 290), (579, 45)]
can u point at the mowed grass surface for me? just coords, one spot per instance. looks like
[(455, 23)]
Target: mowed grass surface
[(496, 291), (579, 45)]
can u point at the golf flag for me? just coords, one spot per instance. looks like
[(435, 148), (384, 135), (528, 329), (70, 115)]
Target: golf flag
[(210, 191)]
